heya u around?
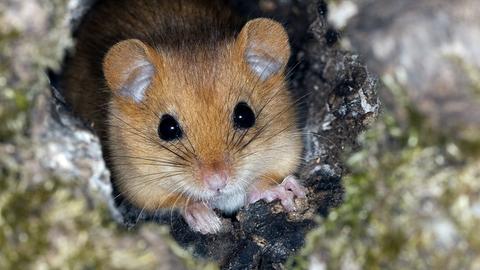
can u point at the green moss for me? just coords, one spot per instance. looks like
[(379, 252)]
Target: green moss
[(408, 190), (13, 107), (49, 225), (472, 72), (24, 58), (13, 102)]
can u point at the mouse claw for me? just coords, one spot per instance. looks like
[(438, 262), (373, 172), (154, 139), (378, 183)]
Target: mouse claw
[(291, 183), (285, 192), (202, 218)]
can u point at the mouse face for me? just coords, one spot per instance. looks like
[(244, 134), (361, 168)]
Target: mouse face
[(202, 125)]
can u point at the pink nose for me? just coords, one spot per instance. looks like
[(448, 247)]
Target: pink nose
[(216, 181)]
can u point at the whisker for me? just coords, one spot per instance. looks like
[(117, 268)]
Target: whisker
[(158, 161)]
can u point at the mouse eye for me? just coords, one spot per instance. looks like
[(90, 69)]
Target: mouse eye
[(169, 129), (243, 116)]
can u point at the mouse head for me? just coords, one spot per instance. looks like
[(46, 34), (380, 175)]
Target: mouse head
[(201, 121)]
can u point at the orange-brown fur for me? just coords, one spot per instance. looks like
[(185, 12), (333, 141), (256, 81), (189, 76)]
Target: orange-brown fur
[(197, 82)]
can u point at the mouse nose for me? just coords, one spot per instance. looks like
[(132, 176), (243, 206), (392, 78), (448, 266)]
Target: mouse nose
[(215, 181)]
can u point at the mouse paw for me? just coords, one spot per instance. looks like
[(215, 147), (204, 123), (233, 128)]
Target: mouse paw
[(285, 192), (202, 218)]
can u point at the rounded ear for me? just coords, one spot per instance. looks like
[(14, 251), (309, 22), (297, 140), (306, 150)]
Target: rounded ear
[(263, 44), (128, 68)]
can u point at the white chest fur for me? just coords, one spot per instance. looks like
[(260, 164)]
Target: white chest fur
[(229, 202)]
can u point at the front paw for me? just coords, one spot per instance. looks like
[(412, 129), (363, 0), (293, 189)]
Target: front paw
[(285, 192), (202, 218)]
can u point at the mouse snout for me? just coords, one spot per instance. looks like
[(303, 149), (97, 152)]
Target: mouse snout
[(215, 181), (214, 175)]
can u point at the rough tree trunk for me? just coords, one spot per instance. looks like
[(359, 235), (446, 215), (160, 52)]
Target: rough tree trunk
[(340, 103)]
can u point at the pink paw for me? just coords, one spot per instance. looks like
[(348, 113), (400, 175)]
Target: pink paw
[(285, 192), (202, 218)]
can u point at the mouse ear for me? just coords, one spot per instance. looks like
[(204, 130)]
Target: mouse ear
[(264, 46), (128, 68)]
